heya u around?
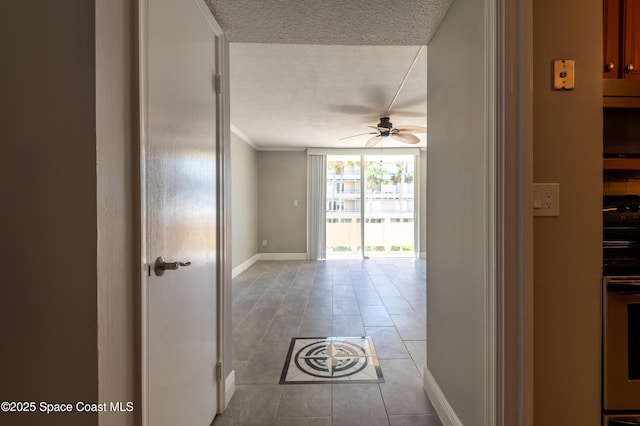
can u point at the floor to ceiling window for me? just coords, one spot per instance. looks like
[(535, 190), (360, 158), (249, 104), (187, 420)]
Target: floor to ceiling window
[(370, 205)]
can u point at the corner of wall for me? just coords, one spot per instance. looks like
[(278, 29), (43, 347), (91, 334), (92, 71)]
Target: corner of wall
[(445, 411), (229, 388), (244, 266)]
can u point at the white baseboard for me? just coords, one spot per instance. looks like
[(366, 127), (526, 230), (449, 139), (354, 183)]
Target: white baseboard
[(244, 266), (283, 256), (422, 255), (446, 413), (229, 388)]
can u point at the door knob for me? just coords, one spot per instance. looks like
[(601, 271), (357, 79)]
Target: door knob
[(161, 266), (610, 66), (629, 68)]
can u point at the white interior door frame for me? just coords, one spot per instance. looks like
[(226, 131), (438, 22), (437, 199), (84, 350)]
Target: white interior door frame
[(509, 26), (509, 298), (223, 194)]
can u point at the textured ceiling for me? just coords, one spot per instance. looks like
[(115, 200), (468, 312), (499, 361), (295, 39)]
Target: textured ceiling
[(369, 22), (307, 73), (286, 95)]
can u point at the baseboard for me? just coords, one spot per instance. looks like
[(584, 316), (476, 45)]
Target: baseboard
[(422, 255), (283, 256), (446, 413), (229, 388), (244, 266)]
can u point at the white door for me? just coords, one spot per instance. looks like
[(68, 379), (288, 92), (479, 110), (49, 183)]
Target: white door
[(179, 309)]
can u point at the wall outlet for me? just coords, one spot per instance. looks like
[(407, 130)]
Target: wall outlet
[(264, 243), (546, 199)]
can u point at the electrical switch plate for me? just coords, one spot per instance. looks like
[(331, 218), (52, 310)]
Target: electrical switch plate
[(264, 243), (546, 199), (295, 203), (564, 74)]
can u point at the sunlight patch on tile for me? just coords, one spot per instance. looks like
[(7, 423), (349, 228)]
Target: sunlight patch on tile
[(331, 360)]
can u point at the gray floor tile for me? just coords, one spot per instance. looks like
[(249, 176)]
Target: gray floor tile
[(274, 301), (401, 372), (375, 316), (368, 298), (387, 291), (418, 351), (317, 316), (283, 327), (421, 420), (353, 403), (265, 367), (251, 405), (343, 291), (244, 343), (345, 306), (405, 399), (410, 327), (312, 331), (388, 343), (348, 325), (397, 305), (305, 401), (303, 421)]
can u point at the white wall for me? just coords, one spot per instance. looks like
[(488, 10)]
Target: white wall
[(48, 216), (244, 201), (422, 214), (457, 218), (116, 158)]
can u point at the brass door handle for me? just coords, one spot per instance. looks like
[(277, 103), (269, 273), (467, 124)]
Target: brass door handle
[(629, 68), (610, 66), (161, 266)]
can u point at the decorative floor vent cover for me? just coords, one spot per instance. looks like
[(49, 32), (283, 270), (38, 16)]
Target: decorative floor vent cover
[(331, 360)]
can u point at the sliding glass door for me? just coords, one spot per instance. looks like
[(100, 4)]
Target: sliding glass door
[(344, 236), (370, 205)]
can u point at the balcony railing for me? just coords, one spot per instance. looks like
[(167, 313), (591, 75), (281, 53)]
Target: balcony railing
[(388, 234)]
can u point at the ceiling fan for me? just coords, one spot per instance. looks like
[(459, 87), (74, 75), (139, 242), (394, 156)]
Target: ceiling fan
[(385, 129)]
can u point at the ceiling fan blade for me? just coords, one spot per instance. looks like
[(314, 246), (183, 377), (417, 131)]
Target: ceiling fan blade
[(412, 129), (360, 134), (373, 141), (406, 137)]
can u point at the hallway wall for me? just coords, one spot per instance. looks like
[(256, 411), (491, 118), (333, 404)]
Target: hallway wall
[(118, 215), (457, 213), (568, 249), (244, 203), (422, 214), (48, 184)]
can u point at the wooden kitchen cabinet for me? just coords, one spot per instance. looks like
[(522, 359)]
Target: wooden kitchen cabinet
[(621, 39)]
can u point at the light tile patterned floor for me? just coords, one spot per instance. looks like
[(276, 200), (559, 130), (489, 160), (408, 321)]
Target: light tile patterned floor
[(275, 301), (331, 360)]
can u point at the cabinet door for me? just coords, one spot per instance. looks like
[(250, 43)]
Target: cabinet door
[(631, 39), (611, 36)]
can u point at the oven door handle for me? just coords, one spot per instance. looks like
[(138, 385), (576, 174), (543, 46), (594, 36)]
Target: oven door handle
[(625, 288), (623, 423)]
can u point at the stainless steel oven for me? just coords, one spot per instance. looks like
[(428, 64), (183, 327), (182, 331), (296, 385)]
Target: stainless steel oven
[(621, 343), (621, 420)]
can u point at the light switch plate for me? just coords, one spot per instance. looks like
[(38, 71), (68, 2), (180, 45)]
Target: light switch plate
[(546, 199), (564, 73)]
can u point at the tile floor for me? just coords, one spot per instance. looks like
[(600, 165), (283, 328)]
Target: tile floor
[(275, 301), (331, 360)]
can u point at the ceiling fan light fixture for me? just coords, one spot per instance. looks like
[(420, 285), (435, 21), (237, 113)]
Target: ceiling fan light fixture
[(385, 128)]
